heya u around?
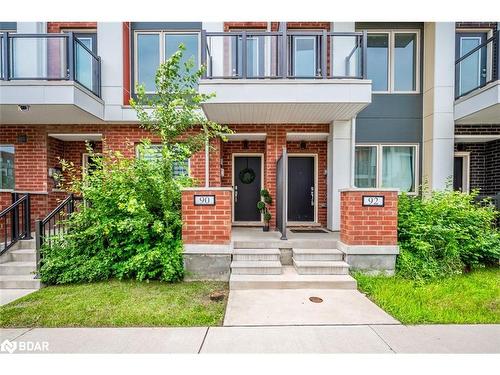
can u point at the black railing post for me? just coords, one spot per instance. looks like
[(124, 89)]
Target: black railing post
[(324, 54), (365, 54), (38, 244), (204, 53), (15, 219), (244, 54), (99, 79), (71, 204), (27, 216), (6, 56), (496, 43), (71, 56)]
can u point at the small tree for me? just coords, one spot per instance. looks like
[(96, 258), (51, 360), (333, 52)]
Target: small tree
[(130, 226), (263, 206), (174, 112)]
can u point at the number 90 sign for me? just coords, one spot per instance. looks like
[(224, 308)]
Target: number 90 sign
[(204, 200), (373, 200)]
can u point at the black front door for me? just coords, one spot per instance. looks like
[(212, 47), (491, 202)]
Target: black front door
[(301, 188), (247, 184)]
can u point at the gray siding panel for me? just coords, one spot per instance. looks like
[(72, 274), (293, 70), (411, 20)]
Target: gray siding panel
[(391, 118)]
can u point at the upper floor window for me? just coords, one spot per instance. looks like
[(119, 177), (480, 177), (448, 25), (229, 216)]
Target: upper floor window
[(155, 47), (386, 166), (7, 167), (393, 61), (475, 70)]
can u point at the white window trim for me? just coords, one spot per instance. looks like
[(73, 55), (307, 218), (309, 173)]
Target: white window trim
[(379, 161), (465, 155), (2, 190), (390, 66), (161, 41)]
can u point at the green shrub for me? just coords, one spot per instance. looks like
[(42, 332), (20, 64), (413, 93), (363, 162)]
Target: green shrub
[(444, 233), (130, 224), (129, 227)]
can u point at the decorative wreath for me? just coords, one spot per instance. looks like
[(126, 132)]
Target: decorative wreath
[(247, 175)]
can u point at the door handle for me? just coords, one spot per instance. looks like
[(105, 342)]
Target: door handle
[(236, 194), (483, 72), (312, 195)]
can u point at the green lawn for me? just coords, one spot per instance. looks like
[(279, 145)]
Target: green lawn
[(118, 304), (470, 298)]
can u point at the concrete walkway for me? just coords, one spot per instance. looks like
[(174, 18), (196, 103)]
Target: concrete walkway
[(284, 339), (9, 295), (274, 307)]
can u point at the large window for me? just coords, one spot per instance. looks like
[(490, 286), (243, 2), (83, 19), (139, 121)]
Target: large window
[(7, 167), (180, 168), (386, 166), (152, 48), (392, 61)]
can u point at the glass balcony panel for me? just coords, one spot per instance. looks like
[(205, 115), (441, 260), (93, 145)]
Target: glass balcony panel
[(38, 58), (346, 56)]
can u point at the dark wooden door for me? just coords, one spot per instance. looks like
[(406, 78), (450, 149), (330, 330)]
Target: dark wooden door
[(301, 189), (247, 184)]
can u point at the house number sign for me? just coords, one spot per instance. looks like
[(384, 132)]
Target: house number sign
[(373, 200), (204, 200)]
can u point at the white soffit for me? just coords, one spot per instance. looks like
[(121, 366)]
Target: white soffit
[(285, 100), (77, 137), (307, 136), (476, 138), (246, 137), (481, 106)]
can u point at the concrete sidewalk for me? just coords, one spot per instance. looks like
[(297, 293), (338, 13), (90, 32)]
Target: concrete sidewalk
[(283, 339)]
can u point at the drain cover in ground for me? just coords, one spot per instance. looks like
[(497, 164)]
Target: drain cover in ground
[(315, 299)]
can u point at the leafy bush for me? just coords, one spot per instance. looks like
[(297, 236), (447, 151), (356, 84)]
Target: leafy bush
[(130, 224), (444, 233), (129, 227)]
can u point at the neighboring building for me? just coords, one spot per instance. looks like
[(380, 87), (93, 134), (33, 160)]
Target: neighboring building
[(366, 105)]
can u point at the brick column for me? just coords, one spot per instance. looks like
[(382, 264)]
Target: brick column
[(207, 224), (368, 225)]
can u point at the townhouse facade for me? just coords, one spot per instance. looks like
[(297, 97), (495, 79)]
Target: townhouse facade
[(351, 106)]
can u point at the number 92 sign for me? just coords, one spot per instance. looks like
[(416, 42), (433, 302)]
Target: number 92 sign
[(373, 200)]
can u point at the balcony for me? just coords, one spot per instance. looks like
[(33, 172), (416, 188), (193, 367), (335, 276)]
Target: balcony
[(284, 77), (49, 78), (477, 84)]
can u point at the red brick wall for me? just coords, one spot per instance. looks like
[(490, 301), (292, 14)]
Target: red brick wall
[(206, 224), (272, 149), (56, 27), (371, 225)]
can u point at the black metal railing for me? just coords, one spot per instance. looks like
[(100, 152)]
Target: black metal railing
[(284, 54), (478, 67), (49, 57), (15, 222), (53, 225)]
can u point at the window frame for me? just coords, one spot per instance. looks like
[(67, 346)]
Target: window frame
[(379, 160), (314, 38), (391, 54), (3, 189), (162, 43), (137, 155)]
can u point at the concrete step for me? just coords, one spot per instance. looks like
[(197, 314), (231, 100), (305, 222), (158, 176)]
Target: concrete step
[(27, 244), (318, 254), (17, 268), (250, 267), (19, 282), (285, 244), (256, 254), (318, 267), (290, 279), (23, 255)]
